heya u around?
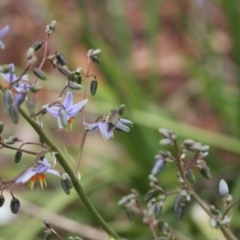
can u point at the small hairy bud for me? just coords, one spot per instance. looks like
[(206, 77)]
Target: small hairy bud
[(51, 27), (93, 87)]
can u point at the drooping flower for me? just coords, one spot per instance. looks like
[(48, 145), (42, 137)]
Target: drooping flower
[(3, 32), (66, 111), (11, 78), (110, 122), (37, 174)]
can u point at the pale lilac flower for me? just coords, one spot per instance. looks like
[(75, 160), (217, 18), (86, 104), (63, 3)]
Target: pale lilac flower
[(159, 165), (107, 133), (11, 77), (36, 173), (70, 109), (3, 32)]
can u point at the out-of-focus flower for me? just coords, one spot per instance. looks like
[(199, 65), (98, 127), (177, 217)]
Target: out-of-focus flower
[(65, 112), (37, 174), (11, 78), (106, 131), (3, 32)]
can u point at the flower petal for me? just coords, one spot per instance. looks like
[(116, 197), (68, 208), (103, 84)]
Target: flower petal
[(4, 31), (54, 110), (54, 172), (10, 77), (106, 133), (126, 122), (26, 175), (60, 123), (68, 100), (122, 127), (92, 127), (74, 109)]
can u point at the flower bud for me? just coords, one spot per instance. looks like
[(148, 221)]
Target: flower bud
[(37, 45), (14, 114), (74, 86), (30, 53), (19, 99), (190, 176), (165, 132), (206, 172), (149, 195), (30, 106), (121, 109), (65, 186), (1, 127), (153, 179), (2, 200), (7, 99), (65, 71), (18, 156), (53, 25), (129, 214), (35, 88), (93, 87), (223, 188), (77, 78), (213, 223), (15, 205), (166, 141), (96, 59), (157, 210), (158, 167), (61, 59), (63, 117), (39, 73)]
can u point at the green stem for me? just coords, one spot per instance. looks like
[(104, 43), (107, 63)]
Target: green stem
[(68, 170)]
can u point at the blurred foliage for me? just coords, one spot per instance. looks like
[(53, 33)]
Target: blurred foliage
[(174, 64)]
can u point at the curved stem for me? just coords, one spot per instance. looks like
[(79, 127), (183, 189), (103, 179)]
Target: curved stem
[(75, 182)]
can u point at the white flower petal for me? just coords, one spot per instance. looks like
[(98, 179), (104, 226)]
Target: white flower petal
[(122, 127), (92, 127), (26, 176), (126, 122), (106, 133), (54, 111), (54, 172)]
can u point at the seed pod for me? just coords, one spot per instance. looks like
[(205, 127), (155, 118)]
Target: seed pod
[(74, 86), (190, 176), (223, 188), (206, 172), (7, 99), (14, 114), (15, 205), (61, 59), (65, 187), (37, 45), (1, 127), (63, 117), (18, 156), (19, 99), (39, 73), (2, 200), (93, 87), (96, 59)]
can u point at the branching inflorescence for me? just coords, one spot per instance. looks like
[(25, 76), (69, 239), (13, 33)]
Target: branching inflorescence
[(20, 89)]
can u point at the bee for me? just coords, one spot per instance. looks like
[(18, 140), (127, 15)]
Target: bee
[(113, 117)]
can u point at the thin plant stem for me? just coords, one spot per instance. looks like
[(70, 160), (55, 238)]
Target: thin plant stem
[(69, 171)]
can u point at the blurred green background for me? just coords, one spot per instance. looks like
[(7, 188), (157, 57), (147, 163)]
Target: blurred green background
[(174, 64)]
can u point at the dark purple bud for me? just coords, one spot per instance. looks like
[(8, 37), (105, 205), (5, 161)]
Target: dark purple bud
[(18, 156), (93, 87), (65, 71), (157, 210), (61, 59), (37, 45), (15, 205), (95, 59), (1, 127), (2, 200), (65, 187)]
